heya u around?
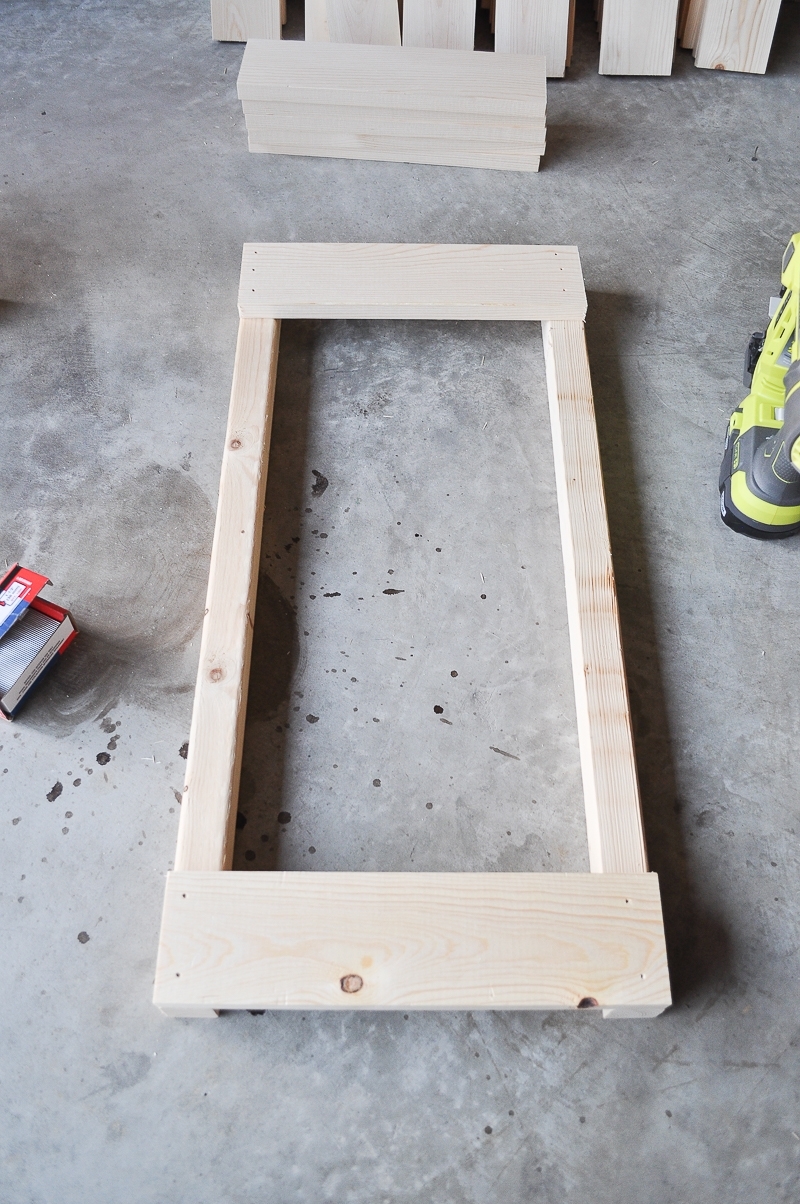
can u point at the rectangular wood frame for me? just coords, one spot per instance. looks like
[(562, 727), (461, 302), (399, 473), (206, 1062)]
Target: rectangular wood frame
[(277, 940)]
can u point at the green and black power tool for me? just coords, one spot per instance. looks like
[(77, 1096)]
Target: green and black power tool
[(759, 483)]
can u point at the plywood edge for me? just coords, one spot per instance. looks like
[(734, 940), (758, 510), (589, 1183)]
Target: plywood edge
[(614, 822), (241, 940)]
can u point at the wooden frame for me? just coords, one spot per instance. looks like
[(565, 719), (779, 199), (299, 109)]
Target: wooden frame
[(418, 940)]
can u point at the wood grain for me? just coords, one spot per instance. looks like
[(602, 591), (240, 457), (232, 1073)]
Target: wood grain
[(208, 810), (691, 23), (265, 118), (412, 941), (371, 22), (395, 78), (736, 35), (540, 27), (379, 148), (442, 24), (637, 37), (316, 21), (611, 790), (238, 20), (410, 280)]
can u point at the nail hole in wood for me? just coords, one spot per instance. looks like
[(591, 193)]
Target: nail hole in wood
[(351, 983)]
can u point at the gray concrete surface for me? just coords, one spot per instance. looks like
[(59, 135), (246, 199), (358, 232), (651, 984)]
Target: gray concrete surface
[(127, 194)]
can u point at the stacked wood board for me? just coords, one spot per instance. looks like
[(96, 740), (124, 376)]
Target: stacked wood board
[(730, 35), (637, 37), (398, 103)]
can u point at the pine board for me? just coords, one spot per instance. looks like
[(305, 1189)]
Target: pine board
[(413, 941), (610, 785), (540, 27), (238, 20), (213, 764), (410, 280), (442, 24), (736, 35), (638, 37)]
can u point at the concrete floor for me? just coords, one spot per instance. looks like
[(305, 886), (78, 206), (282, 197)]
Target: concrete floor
[(127, 195)]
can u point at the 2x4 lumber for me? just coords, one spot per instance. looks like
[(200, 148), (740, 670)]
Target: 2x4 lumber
[(441, 24), (637, 37), (442, 282), (539, 27), (239, 20), (393, 78), (736, 35), (610, 784), (213, 764), (411, 941)]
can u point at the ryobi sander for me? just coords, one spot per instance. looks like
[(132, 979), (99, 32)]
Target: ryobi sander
[(759, 482)]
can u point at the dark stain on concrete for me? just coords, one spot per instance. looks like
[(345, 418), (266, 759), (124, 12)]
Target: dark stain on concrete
[(127, 1071), (183, 751), (320, 484), (503, 752), (103, 758), (274, 651), (53, 794)]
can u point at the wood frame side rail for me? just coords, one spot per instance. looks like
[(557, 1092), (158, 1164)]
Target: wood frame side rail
[(312, 940)]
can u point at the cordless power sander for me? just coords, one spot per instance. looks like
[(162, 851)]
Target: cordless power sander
[(759, 483)]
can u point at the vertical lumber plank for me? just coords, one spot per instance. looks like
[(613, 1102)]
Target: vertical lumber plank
[(208, 811), (370, 22), (736, 35), (691, 16), (317, 21), (637, 37), (240, 20), (610, 785), (442, 24), (534, 27)]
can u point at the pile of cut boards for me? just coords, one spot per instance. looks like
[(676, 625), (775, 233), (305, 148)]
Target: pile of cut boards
[(637, 37), (399, 103)]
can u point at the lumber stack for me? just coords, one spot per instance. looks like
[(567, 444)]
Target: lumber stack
[(730, 35), (397, 103)]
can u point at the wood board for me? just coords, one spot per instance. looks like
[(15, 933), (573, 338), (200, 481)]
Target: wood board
[(238, 20), (413, 940), (443, 282), (367, 22), (540, 27), (637, 37), (736, 35), (439, 24)]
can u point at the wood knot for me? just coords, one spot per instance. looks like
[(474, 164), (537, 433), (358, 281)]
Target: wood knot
[(351, 983), (719, 66), (216, 674), (236, 444), (588, 1002)]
